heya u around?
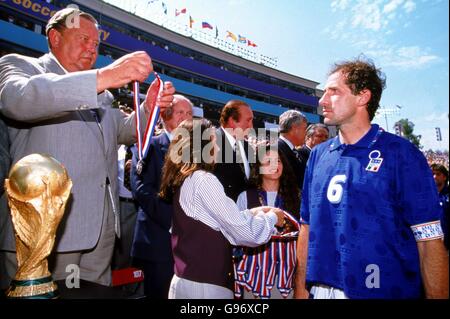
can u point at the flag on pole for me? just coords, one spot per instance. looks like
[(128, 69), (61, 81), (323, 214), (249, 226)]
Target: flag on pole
[(231, 35), (242, 39), (191, 22), (206, 25), (251, 44), (178, 12)]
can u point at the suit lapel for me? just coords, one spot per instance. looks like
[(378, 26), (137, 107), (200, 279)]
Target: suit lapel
[(86, 116), (227, 147), (239, 159), (286, 150), (164, 143)]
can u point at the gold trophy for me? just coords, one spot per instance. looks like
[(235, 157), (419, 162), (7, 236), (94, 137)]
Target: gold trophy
[(38, 188)]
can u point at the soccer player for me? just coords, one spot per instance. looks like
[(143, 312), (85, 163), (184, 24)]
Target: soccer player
[(370, 210)]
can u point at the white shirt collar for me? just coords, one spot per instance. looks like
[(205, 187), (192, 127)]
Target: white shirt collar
[(291, 146), (169, 135), (230, 137), (233, 143), (52, 56)]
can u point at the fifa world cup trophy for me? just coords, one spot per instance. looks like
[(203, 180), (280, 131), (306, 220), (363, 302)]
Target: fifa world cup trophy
[(38, 188)]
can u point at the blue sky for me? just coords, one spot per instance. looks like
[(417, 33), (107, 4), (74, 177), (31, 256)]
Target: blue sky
[(407, 39)]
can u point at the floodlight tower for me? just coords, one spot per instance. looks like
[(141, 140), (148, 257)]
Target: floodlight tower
[(387, 112)]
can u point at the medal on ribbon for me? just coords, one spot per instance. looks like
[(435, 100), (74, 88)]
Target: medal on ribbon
[(143, 142)]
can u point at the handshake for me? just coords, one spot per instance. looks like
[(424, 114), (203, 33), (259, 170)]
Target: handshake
[(135, 66)]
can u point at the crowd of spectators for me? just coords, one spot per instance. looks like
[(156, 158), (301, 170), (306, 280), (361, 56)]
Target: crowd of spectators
[(437, 157)]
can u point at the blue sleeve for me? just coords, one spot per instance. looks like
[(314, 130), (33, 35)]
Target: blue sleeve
[(304, 205), (145, 188), (418, 194)]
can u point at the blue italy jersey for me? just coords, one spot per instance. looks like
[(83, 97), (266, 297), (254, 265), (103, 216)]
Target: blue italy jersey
[(360, 201)]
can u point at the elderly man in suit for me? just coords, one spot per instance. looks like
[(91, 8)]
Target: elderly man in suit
[(232, 167), (151, 249), (292, 134), (315, 134), (58, 104)]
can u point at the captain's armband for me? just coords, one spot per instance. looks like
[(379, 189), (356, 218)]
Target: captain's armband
[(427, 231)]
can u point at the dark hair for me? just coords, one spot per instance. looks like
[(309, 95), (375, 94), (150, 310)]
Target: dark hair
[(177, 168), (312, 128), (231, 109), (363, 75), (288, 189), (59, 19), (440, 168)]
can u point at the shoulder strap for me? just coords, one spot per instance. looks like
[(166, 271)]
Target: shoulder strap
[(252, 198)]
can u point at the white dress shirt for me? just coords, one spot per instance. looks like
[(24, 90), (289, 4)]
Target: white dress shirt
[(241, 202), (123, 191), (233, 143), (203, 198)]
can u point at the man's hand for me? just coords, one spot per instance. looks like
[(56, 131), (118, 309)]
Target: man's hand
[(163, 100), (301, 293), (135, 66)]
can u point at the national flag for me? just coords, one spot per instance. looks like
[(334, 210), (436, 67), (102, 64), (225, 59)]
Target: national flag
[(191, 22), (206, 25), (164, 7), (178, 12), (242, 39), (231, 35), (251, 44)]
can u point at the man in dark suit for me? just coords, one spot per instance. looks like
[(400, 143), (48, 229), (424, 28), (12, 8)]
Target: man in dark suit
[(235, 154), (151, 249), (292, 134), (315, 134)]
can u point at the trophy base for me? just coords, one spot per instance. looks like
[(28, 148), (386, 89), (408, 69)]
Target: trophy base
[(42, 288)]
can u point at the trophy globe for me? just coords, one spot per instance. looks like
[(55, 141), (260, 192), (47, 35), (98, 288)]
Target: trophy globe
[(38, 187)]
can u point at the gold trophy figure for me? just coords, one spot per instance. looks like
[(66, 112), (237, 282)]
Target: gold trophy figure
[(38, 188)]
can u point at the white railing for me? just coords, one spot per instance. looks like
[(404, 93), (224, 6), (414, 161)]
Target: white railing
[(154, 12)]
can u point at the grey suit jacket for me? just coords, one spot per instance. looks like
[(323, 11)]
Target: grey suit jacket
[(5, 162), (5, 159), (48, 111)]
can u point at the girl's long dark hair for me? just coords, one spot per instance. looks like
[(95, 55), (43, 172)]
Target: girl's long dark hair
[(288, 189), (184, 157)]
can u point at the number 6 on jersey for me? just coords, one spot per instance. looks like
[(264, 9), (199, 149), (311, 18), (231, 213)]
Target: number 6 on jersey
[(335, 189)]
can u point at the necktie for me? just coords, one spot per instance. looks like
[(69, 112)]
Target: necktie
[(240, 151), (126, 169), (297, 154)]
